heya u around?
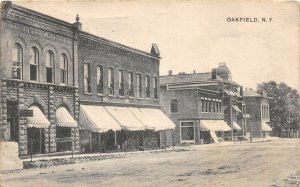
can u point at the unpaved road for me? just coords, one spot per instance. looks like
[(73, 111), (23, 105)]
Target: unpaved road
[(275, 163)]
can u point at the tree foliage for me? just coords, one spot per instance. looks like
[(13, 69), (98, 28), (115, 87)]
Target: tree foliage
[(284, 105)]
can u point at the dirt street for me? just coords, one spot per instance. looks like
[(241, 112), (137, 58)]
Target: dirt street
[(275, 163)]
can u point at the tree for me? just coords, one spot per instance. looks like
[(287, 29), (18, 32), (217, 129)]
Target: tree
[(284, 105)]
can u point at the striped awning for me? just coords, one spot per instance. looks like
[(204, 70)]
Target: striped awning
[(214, 125), (64, 118), (38, 119), (236, 126), (96, 119), (236, 108), (265, 127)]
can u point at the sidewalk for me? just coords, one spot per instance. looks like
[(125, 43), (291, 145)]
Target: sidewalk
[(46, 161)]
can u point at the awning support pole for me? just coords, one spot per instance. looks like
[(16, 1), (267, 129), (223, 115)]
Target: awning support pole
[(115, 138), (99, 144), (90, 136), (165, 139), (144, 140), (173, 138)]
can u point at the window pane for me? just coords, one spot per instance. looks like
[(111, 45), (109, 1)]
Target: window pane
[(49, 59), (155, 87), (130, 83), (99, 79), (147, 86), (121, 83), (139, 85), (110, 81), (33, 72), (87, 81)]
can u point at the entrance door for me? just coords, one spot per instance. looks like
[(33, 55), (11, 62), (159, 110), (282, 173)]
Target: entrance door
[(13, 120), (187, 132), (36, 140), (95, 141)]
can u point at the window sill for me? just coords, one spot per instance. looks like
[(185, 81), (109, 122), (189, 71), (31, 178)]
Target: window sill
[(121, 96), (148, 99), (139, 98), (130, 97), (156, 99), (99, 94), (87, 93)]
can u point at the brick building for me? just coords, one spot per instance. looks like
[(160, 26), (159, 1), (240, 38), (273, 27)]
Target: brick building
[(204, 106), (38, 73), (257, 105), (121, 84), (63, 89)]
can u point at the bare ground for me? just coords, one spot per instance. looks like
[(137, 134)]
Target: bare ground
[(275, 163)]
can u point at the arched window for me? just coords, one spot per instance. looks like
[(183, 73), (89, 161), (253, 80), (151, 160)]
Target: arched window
[(17, 57), (63, 69), (110, 81), (121, 83), (49, 66), (139, 85), (130, 84), (173, 106), (34, 62)]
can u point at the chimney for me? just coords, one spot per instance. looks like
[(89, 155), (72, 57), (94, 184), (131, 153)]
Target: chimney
[(241, 90), (214, 73), (194, 71), (170, 72)]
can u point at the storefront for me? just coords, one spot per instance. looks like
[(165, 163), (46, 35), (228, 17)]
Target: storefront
[(36, 126), (213, 130), (65, 130), (121, 128)]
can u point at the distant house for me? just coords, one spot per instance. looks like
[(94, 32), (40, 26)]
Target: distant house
[(257, 105), (204, 106)]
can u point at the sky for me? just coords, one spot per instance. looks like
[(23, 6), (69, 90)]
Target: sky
[(198, 34)]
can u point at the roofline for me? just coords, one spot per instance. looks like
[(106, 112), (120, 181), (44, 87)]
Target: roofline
[(71, 25), (259, 96), (44, 16), (116, 44)]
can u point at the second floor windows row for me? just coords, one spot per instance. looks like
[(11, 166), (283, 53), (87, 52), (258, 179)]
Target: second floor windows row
[(211, 105), (35, 66), (134, 87)]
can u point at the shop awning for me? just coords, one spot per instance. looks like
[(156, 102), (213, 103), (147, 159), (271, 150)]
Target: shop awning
[(96, 119), (236, 126), (156, 119), (214, 136), (64, 118), (265, 127), (140, 116), (38, 120), (228, 92), (236, 108), (125, 118), (214, 125)]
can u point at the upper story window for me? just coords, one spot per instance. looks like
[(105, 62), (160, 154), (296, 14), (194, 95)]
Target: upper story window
[(202, 105), (147, 85), (99, 79), (17, 60), (49, 66), (34, 63), (110, 81), (87, 78), (63, 69), (121, 83), (155, 87), (130, 84), (174, 106), (139, 85)]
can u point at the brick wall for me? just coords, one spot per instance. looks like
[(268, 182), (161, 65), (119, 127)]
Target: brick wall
[(97, 53)]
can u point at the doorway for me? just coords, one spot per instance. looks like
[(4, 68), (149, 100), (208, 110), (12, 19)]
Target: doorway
[(36, 140), (13, 120)]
